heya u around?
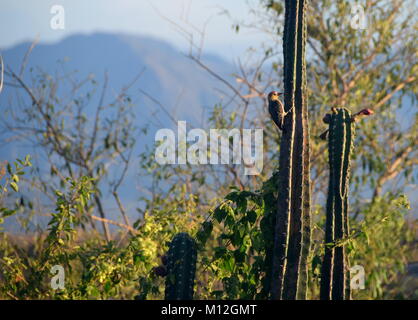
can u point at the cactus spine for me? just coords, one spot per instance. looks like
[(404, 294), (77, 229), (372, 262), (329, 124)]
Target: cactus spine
[(181, 268), (335, 275), (292, 226)]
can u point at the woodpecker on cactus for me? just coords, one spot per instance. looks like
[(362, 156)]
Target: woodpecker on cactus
[(276, 108)]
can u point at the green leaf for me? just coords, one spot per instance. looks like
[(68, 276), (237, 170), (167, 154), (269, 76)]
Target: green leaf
[(9, 169), (233, 196), (239, 256), (236, 238), (7, 212), (242, 204), (220, 213), (207, 227), (220, 252), (205, 232), (228, 264), (251, 216), (27, 161), (108, 286), (14, 186)]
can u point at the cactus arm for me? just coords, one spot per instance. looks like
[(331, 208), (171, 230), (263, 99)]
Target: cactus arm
[(338, 285), (335, 280), (181, 268), (326, 271)]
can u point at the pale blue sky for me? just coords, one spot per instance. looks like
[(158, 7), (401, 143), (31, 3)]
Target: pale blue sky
[(22, 20)]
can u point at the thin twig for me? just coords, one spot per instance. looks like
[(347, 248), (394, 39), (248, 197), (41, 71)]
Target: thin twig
[(121, 225), (26, 57)]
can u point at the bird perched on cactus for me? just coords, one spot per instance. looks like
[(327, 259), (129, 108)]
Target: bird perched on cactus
[(276, 108)]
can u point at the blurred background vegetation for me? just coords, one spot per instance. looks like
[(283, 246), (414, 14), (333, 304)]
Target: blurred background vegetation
[(107, 258)]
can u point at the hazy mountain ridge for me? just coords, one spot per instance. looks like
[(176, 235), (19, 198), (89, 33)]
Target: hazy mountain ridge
[(168, 75), (167, 72)]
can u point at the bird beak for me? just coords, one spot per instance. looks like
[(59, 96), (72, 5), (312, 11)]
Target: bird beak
[(279, 93)]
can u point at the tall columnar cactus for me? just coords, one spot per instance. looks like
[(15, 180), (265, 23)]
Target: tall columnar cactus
[(335, 282), (292, 224), (181, 268)]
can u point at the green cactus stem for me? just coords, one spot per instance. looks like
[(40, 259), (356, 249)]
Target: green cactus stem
[(292, 224), (335, 270), (181, 268)]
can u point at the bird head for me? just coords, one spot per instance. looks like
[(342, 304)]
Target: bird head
[(361, 113), (274, 95)]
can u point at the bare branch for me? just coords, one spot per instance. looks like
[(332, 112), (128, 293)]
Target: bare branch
[(121, 225), (27, 54)]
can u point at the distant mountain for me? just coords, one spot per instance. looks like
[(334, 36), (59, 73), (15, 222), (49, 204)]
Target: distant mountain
[(168, 75)]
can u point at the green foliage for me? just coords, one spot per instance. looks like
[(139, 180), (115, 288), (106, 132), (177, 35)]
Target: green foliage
[(237, 257), (381, 240), (382, 244), (94, 269), (12, 267), (240, 232), (10, 177), (234, 243)]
